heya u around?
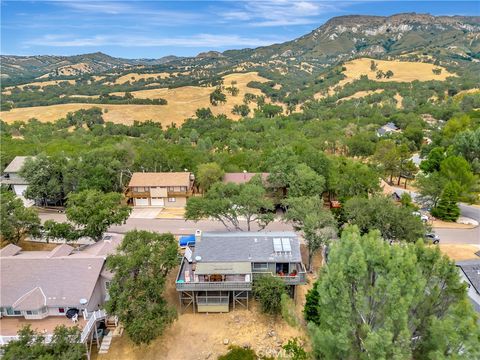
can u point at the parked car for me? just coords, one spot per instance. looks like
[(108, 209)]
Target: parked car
[(432, 237), (423, 217)]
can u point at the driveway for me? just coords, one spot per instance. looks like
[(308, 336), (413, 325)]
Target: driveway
[(145, 213)]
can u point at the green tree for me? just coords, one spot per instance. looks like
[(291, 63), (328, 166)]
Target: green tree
[(17, 221), (204, 113), (60, 231), (208, 174), (456, 168), (317, 225), (447, 208), (304, 181), (65, 345), (378, 301), (217, 97), (140, 267), (388, 74), (467, 144), (242, 110), (433, 160), (270, 110), (94, 212), (268, 290), (430, 187), (456, 125), (387, 155), (45, 178), (381, 213), (228, 203)]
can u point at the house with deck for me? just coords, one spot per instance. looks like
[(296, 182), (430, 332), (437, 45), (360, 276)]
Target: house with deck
[(218, 273), (162, 189), (14, 181), (388, 128)]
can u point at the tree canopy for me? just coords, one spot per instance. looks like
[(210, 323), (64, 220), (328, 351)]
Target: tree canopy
[(17, 221), (378, 301), (140, 267), (230, 203)]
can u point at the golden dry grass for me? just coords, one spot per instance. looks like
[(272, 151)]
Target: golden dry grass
[(460, 252), (132, 77), (42, 84), (403, 71), (361, 94), (182, 104)]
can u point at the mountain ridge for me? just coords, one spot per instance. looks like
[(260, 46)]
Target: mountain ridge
[(451, 38)]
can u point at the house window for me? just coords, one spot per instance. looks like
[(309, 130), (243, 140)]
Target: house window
[(61, 310), (184, 188), (32, 312), (107, 285), (260, 266), (11, 312), (172, 199), (171, 188)]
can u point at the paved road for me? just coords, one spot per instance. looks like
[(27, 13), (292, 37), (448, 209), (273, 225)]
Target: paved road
[(182, 227), (179, 227), (472, 212)]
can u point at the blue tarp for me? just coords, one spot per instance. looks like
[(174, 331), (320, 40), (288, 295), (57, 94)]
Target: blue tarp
[(187, 240)]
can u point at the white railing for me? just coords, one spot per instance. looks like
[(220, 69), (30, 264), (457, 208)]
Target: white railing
[(6, 339), (94, 317)]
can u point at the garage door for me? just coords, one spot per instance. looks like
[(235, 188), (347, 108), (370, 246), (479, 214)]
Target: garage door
[(141, 202), (158, 202), (19, 189)]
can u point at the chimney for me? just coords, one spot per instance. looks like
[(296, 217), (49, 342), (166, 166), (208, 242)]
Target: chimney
[(198, 236)]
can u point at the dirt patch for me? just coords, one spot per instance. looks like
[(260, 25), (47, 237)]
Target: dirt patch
[(32, 245), (403, 71), (460, 252)]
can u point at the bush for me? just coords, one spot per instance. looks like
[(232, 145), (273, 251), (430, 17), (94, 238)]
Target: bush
[(239, 353), (269, 290)]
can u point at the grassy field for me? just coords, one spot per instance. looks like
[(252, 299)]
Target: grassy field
[(42, 84), (132, 77), (403, 71), (361, 94), (182, 103)]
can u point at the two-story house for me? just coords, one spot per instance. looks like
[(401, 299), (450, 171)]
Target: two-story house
[(13, 180), (219, 271), (163, 189)]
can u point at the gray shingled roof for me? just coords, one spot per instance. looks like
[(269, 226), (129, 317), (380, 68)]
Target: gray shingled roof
[(16, 164), (245, 246), (63, 280), (471, 269)]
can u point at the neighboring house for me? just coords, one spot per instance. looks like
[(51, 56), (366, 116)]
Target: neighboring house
[(166, 189), (219, 271), (470, 273), (243, 177), (13, 180), (387, 129), (38, 284)]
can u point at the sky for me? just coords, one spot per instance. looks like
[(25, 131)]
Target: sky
[(152, 29)]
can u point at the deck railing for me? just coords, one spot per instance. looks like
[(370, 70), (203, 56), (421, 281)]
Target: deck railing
[(6, 339), (94, 317), (220, 285)]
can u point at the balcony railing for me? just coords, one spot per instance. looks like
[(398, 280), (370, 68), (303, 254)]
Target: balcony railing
[(179, 193), (300, 278), (140, 194), (220, 285)]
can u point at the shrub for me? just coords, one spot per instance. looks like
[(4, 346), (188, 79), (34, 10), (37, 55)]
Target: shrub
[(269, 290)]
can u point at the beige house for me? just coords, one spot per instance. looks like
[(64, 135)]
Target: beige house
[(163, 189)]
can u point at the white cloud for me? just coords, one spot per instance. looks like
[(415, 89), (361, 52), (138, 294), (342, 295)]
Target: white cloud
[(200, 40), (279, 12)]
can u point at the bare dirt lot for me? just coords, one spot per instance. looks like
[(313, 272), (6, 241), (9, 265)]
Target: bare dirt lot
[(182, 104)]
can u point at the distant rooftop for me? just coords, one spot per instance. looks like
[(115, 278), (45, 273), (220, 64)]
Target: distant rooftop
[(242, 177), (16, 164), (248, 246), (471, 269), (160, 179)]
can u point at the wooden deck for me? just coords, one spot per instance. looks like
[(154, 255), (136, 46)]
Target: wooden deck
[(9, 326)]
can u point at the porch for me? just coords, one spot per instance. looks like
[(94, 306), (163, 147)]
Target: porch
[(9, 325)]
